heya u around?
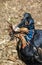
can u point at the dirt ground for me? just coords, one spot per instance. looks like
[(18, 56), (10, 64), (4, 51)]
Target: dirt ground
[(12, 11)]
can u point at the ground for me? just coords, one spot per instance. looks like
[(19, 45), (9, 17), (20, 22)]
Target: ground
[(12, 11)]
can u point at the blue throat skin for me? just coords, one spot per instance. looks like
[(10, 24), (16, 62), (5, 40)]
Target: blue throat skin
[(31, 27)]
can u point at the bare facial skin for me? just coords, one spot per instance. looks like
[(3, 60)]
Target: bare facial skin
[(26, 23)]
